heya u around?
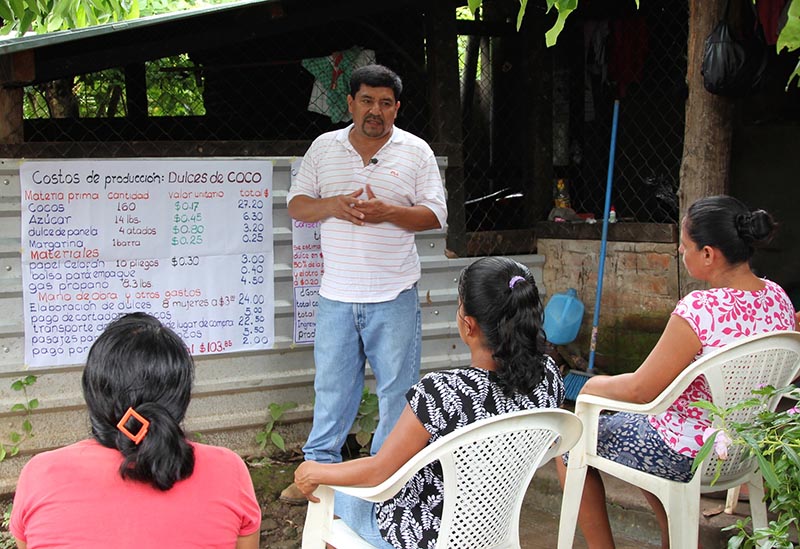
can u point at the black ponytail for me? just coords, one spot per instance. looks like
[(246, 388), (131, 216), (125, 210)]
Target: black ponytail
[(140, 364), (163, 457), (501, 295)]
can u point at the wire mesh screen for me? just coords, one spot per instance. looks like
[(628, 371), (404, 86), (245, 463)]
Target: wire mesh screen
[(288, 82), (638, 58), (604, 54), (493, 143), (174, 87)]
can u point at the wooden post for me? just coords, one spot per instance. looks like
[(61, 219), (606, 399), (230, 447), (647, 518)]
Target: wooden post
[(444, 92), (15, 69), (539, 88), (136, 90), (708, 130)]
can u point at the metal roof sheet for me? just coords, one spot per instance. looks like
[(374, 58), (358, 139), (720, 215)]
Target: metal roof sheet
[(10, 44)]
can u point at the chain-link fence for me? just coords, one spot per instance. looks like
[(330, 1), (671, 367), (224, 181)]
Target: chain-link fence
[(645, 68), (267, 88), (638, 57), (492, 107), (290, 84)]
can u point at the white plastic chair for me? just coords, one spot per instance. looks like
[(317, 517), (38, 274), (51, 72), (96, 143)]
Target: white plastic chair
[(732, 373), (487, 467)]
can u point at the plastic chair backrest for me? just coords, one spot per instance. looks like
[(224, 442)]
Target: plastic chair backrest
[(733, 373), (488, 468)]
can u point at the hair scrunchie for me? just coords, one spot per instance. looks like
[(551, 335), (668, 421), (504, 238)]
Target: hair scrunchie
[(137, 438)]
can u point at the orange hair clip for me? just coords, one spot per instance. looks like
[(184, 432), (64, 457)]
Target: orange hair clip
[(137, 438)]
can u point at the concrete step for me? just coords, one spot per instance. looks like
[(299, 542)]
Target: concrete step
[(632, 521)]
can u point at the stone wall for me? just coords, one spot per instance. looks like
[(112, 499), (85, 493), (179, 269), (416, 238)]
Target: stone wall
[(640, 289)]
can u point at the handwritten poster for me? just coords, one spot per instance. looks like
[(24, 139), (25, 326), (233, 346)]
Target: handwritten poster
[(306, 275), (187, 241)]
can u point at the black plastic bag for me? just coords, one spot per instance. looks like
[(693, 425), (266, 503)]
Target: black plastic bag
[(733, 67), (665, 207)]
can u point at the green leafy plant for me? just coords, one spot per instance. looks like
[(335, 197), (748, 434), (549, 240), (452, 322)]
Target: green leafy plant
[(7, 541), (268, 433), (41, 16), (774, 439), (789, 38), (366, 419), (563, 8), (28, 405)]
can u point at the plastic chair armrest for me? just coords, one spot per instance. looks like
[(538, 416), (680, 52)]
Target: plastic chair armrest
[(319, 518), (586, 403), (588, 408), (396, 481), (381, 492)]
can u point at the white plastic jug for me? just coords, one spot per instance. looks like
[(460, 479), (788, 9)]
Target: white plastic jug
[(562, 317)]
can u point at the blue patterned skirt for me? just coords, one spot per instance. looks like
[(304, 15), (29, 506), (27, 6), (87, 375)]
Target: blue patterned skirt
[(630, 440)]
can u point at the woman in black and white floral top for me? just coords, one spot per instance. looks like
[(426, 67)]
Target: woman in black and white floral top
[(500, 319)]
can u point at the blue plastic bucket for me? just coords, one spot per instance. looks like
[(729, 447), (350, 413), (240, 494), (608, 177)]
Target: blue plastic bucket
[(562, 317)]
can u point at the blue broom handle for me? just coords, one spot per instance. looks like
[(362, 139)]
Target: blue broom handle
[(604, 238)]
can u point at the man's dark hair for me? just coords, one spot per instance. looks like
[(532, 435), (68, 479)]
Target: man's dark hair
[(376, 76)]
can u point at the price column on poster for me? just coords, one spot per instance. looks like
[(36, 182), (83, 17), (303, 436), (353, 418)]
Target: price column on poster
[(306, 275), (187, 241)]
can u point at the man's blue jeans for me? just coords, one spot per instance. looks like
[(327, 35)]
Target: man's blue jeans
[(360, 516), (388, 334)]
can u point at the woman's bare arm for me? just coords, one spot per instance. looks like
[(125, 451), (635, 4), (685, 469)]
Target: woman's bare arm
[(249, 541), (675, 350), (407, 438)]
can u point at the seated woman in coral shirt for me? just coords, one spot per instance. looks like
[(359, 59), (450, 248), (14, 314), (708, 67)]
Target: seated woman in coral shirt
[(138, 483)]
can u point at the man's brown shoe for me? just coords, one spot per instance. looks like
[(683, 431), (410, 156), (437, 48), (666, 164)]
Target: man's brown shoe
[(292, 495)]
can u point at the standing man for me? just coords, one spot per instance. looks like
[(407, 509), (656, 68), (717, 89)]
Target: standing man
[(372, 185)]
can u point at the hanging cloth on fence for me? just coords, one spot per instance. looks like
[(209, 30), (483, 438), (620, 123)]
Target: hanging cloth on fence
[(627, 52), (769, 13), (332, 80), (595, 36)]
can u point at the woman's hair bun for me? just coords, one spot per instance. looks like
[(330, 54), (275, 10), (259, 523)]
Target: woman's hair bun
[(756, 227)]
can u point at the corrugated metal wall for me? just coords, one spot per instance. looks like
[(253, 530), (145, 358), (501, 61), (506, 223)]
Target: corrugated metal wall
[(232, 391)]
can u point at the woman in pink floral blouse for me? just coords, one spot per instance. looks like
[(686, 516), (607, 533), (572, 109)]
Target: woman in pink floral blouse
[(718, 237)]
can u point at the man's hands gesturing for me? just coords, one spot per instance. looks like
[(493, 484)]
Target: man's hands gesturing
[(349, 207), (358, 211), (344, 207), (374, 210)]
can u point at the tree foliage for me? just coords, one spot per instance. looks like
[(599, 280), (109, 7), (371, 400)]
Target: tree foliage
[(563, 9), (789, 37), (173, 87), (42, 16)]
